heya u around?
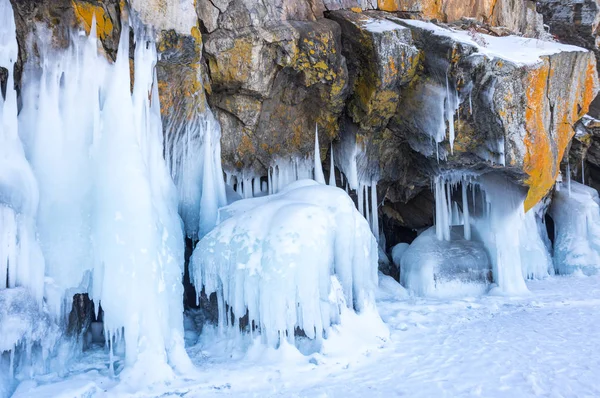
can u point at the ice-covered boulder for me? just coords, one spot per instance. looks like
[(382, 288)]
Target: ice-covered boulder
[(433, 267), (280, 259), (576, 215)]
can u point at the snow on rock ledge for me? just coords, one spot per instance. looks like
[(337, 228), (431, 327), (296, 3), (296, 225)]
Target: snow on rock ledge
[(576, 215), (290, 261)]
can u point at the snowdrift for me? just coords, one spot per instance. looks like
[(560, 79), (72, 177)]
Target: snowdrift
[(279, 259)]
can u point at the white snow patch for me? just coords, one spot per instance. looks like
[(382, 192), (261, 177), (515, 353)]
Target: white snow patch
[(516, 49)]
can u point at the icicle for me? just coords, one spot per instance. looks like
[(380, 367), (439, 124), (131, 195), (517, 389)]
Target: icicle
[(319, 176), (442, 222), (256, 188), (270, 180), (471, 102), (450, 115), (331, 168), (569, 177), (359, 193), (374, 212), (366, 207), (583, 170), (465, 207), (466, 218)]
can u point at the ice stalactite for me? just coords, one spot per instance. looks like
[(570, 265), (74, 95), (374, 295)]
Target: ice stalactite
[(358, 175), (21, 260), (451, 106), (193, 153), (319, 176), (331, 168), (108, 204)]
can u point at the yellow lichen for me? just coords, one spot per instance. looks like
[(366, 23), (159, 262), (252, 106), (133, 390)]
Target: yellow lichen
[(85, 12)]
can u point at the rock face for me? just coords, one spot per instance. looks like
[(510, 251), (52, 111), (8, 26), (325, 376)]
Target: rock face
[(518, 16), (271, 85), (414, 102), (461, 110)]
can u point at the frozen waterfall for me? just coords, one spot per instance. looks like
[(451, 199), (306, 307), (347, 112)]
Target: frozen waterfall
[(107, 205)]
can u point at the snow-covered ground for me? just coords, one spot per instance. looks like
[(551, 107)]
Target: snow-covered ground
[(543, 344)]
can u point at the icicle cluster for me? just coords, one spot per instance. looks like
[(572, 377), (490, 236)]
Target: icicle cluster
[(107, 205), (490, 211), (193, 153)]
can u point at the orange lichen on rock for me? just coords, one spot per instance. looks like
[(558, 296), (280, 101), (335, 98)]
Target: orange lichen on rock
[(546, 144), (84, 12), (429, 8), (539, 162)]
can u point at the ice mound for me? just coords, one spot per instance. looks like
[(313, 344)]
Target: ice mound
[(290, 262), (576, 215), (433, 267)]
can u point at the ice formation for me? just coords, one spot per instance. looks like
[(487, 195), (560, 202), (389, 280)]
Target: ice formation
[(358, 175), (576, 215), (319, 176), (434, 267), (277, 259), (486, 209), (107, 205), (21, 261), (193, 153)]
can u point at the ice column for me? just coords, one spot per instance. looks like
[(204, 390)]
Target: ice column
[(21, 260)]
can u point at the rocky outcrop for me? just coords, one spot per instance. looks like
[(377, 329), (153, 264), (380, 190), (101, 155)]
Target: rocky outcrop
[(271, 85), (416, 103), (463, 110)]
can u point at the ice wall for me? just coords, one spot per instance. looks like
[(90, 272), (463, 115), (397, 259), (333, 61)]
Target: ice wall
[(21, 260), (108, 206)]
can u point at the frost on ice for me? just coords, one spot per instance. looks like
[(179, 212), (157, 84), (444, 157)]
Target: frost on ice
[(278, 260)]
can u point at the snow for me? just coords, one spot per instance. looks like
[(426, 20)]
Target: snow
[(279, 258), (516, 49), (576, 215), (544, 344), (381, 25)]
